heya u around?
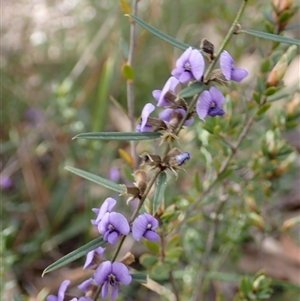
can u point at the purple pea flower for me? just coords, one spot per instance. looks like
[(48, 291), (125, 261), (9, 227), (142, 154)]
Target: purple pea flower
[(147, 110), (86, 285), (209, 103), (229, 70), (112, 274), (143, 226), (61, 292), (166, 115), (159, 95), (91, 257), (112, 225), (190, 65), (107, 206)]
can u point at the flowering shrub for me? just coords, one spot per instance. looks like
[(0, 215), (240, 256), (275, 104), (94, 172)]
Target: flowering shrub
[(195, 86)]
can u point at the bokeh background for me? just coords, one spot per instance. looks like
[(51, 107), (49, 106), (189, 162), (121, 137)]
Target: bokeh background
[(61, 75)]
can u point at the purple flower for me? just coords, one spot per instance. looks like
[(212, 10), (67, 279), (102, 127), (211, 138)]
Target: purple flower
[(147, 110), (209, 103), (181, 158), (229, 70), (85, 285), (112, 225), (5, 182), (107, 206), (189, 66), (143, 226), (166, 115), (91, 257), (159, 95), (112, 274), (61, 292)]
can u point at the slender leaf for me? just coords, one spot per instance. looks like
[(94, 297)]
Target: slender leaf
[(277, 96), (96, 179), (193, 89), (159, 191), (139, 277), (161, 35), (272, 37), (118, 136), (92, 245)]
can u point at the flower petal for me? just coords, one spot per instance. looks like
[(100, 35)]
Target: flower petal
[(114, 292), (189, 121), (184, 57), (104, 289), (151, 235), (121, 273), (238, 74), (147, 110), (197, 64), (217, 96), (89, 259), (185, 77), (216, 111), (107, 206), (112, 237), (156, 94), (102, 272), (139, 226), (62, 289), (103, 224), (203, 104), (170, 85), (119, 222), (85, 284), (177, 72), (151, 220), (165, 115), (226, 64)]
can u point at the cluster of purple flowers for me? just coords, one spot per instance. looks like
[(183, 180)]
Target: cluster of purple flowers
[(190, 66), (111, 225)]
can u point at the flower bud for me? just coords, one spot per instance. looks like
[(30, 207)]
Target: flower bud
[(281, 5), (277, 72)]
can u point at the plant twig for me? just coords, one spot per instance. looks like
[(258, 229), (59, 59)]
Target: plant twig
[(130, 96)]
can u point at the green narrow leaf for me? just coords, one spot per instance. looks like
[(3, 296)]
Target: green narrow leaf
[(159, 190), (161, 35), (277, 96), (92, 245), (96, 179), (263, 109), (193, 89), (139, 277), (118, 136), (272, 37)]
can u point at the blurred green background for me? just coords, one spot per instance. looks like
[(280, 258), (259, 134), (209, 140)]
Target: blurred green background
[(61, 75)]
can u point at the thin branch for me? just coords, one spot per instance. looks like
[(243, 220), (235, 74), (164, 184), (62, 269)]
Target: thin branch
[(130, 96)]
